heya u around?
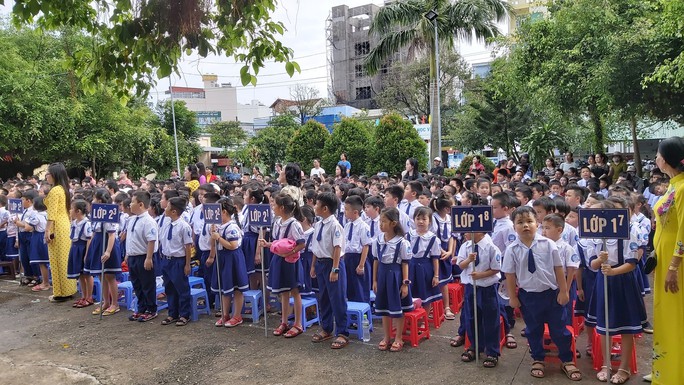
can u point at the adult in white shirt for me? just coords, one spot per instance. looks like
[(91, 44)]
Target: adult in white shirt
[(317, 170)]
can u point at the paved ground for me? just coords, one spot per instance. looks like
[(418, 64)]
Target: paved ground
[(44, 343)]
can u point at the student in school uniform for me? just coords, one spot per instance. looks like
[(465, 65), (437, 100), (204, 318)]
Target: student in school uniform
[(410, 202), (306, 255), (253, 194), (441, 226), (533, 262), (552, 228), (176, 240), (329, 269), (38, 256), (24, 237), (372, 207), (142, 235), (424, 267), (204, 243), (81, 232), (393, 195), (11, 250), (357, 233), (480, 261), (4, 220)]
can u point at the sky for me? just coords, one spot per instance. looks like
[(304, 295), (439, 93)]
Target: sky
[(305, 22)]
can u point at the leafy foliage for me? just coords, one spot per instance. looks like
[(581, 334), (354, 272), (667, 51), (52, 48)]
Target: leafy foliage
[(270, 144), (307, 143), (352, 137), (394, 141), (227, 134), (186, 120)]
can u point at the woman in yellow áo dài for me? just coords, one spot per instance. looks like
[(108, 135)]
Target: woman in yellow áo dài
[(668, 300), (191, 175)]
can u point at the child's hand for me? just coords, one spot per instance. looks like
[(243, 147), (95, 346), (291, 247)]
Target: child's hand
[(445, 255), (187, 270), (333, 276), (607, 270), (563, 298), (16, 243), (454, 260), (375, 286), (47, 238), (215, 235), (514, 302), (603, 256), (257, 258), (359, 270), (475, 275), (472, 257), (404, 291), (580, 294), (262, 243), (435, 281), (104, 257), (312, 272), (209, 262), (149, 264)]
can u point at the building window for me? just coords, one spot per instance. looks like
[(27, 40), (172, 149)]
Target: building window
[(481, 70), (362, 48), (360, 71), (363, 93)]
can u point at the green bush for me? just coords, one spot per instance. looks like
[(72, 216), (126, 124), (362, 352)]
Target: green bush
[(307, 144), (352, 137), (394, 141), (468, 161)]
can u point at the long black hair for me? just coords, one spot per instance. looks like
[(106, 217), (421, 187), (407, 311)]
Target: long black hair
[(201, 169), (672, 152), (293, 175), (60, 177)]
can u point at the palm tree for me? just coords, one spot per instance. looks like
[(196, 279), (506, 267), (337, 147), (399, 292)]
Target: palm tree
[(403, 24)]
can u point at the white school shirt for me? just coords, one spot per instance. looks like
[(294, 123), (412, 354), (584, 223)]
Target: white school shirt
[(629, 247), (441, 227), (295, 232), (570, 235), (140, 230), (568, 255), (197, 219), (25, 216), (4, 218), (409, 208), (38, 220), (11, 227), (308, 236), (405, 222), (186, 216), (359, 237), (489, 259), (384, 250), (328, 234), (109, 227), (503, 234), (123, 218), (373, 227), (420, 243), (643, 226), (181, 235), (546, 258), (590, 247), (230, 231), (204, 237), (81, 230)]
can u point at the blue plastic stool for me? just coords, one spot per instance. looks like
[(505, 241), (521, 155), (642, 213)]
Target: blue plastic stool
[(127, 288), (196, 309), (161, 305), (196, 281), (355, 312), (306, 302), (125, 276), (253, 300), (97, 289)]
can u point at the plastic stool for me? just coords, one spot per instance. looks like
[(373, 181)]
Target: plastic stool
[(125, 276), (550, 346), (455, 296), (198, 294), (97, 288), (253, 301), (355, 312), (502, 336), (437, 313), (578, 324), (196, 281), (416, 332), (615, 349), (7, 267), (161, 305), (306, 303), (127, 288)]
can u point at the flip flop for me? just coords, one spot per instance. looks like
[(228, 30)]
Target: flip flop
[(111, 311), (293, 332), (340, 342), (96, 311), (40, 288)]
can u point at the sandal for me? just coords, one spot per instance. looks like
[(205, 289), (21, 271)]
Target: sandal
[(169, 320), (510, 341), (96, 311), (111, 311), (573, 373), (293, 332), (448, 314), (340, 342), (40, 288), (24, 281), (397, 346), (383, 345), (603, 374), (321, 336), (233, 322), (457, 341), (620, 379), (32, 283), (538, 368), (182, 321), (282, 328), (82, 303), (490, 362), (468, 356), (75, 304)]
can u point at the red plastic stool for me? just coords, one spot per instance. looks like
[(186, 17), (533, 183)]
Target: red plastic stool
[(550, 346), (615, 349), (416, 332), (502, 336), (456, 293), (578, 324), (437, 312)]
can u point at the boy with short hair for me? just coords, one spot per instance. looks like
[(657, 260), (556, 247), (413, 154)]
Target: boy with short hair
[(410, 202), (552, 228), (575, 196), (356, 250), (393, 195), (524, 195), (555, 189), (142, 234), (176, 244), (328, 268), (533, 262)]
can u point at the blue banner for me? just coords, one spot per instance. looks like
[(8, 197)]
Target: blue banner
[(212, 213), (104, 213), (14, 206), (259, 215), (604, 223), (472, 219)]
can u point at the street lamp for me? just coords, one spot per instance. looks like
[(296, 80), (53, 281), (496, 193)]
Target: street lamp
[(432, 17)]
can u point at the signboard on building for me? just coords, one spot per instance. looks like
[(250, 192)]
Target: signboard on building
[(206, 118), (424, 131)]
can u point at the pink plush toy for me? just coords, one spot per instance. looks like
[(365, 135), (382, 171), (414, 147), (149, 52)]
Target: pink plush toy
[(284, 246)]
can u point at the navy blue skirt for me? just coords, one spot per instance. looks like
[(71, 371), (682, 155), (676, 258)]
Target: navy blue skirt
[(358, 286), (93, 264), (76, 256), (626, 311), (249, 248), (420, 274), (588, 283), (233, 272), (446, 272), (284, 276), (38, 251), (310, 285), (388, 301), (11, 252)]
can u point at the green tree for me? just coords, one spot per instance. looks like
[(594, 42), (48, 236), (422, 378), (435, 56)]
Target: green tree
[(307, 143), (271, 142), (227, 134), (394, 141), (403, 24), (350, 136), (132, 41), (186, 120)]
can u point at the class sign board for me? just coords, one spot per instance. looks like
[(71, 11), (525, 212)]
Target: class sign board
[(106, 213), (212, 213), (259, 215), (472, 219), (14, 206), (604, 223)]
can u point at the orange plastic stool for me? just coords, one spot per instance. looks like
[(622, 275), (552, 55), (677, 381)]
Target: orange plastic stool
[(416, 332), (456, 293), (550, 346), (437, 312), (615, 349)]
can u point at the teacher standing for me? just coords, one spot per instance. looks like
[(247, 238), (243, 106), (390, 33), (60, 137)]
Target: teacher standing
[(668, 300), (58, 203)]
